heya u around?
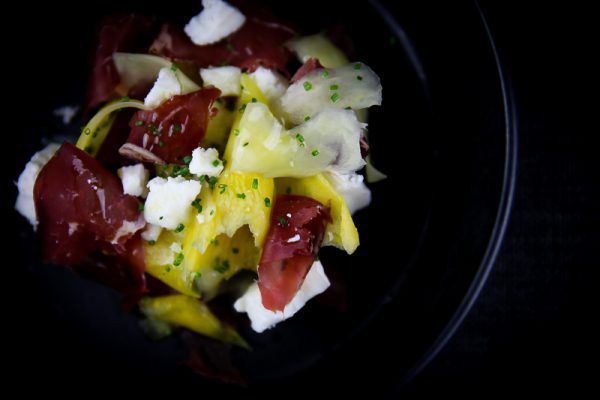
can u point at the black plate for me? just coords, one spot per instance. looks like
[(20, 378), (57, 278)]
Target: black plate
[(428, 240)]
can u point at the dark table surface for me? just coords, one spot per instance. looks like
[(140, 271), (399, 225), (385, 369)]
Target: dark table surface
[(531, 329)]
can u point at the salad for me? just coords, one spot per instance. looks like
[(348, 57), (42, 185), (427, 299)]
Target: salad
[(229, 144)]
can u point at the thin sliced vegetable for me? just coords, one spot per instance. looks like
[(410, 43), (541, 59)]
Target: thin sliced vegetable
[(184, 311), (320, 47), (93, 134), (353, 86), (135, 69), (328, 141), (341, 232)]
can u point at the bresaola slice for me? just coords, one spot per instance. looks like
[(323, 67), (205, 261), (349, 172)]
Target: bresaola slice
[(81, 208), (258, 42), (294, 239), (172, 130), (122, 32), (309, 66)]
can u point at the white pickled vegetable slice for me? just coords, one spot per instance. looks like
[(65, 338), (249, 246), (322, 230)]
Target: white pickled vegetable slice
[(327, 142), (353, 86)]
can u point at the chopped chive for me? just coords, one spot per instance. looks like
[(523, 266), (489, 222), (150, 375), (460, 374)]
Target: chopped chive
[(236, 132), (177, 127), (212, 212), (288, 190), (315, 153), (307, 118), (212, 181), (89, 149), (151, 242), (215, 242), (141, 207), (307, 86), (358, 77), (348, 108), (357, 65), (333, 87), (267, 202), (216, 163), (202, 178), (180, 228), (300, 139), (245, 144), (196, 275), (168, 269), (255, 183), (282, 221), (241, 196), (335, 97), (160, 218), (223, 188), (178, 259), (221, 267), (139, 123), (174, 67), (182, 171), (196, 204), (254, 100), (187, 159), (161, 143), (242, 108), (235, 250), (125, 99), (325, 73)]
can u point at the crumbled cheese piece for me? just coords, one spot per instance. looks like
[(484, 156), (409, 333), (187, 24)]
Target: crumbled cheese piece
[(67, 113), (134, 179), (352, 188), (175, 247), (272, 84), (166, 86), (203, 162), (226, 79), (216, 21), (170, 201), (152, 232), (25, 204), (315, 283)]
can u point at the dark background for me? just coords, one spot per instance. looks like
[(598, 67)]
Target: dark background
[(531, 329)]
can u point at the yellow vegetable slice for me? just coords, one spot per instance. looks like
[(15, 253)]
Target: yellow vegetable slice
[(234, 214), (218, 128), (320, 47), (184, 311), (342, 232), (93, 134)]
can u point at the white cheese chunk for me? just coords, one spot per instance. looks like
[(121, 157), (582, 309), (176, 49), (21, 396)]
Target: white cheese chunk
[(134, 179), (206, 162), (66, 113), (25, 204), (166, 86), (226, 79), (175, 247), (216, 21), (272, 84), (352, 188), (315, 283), (170, 201), (152, 232)]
